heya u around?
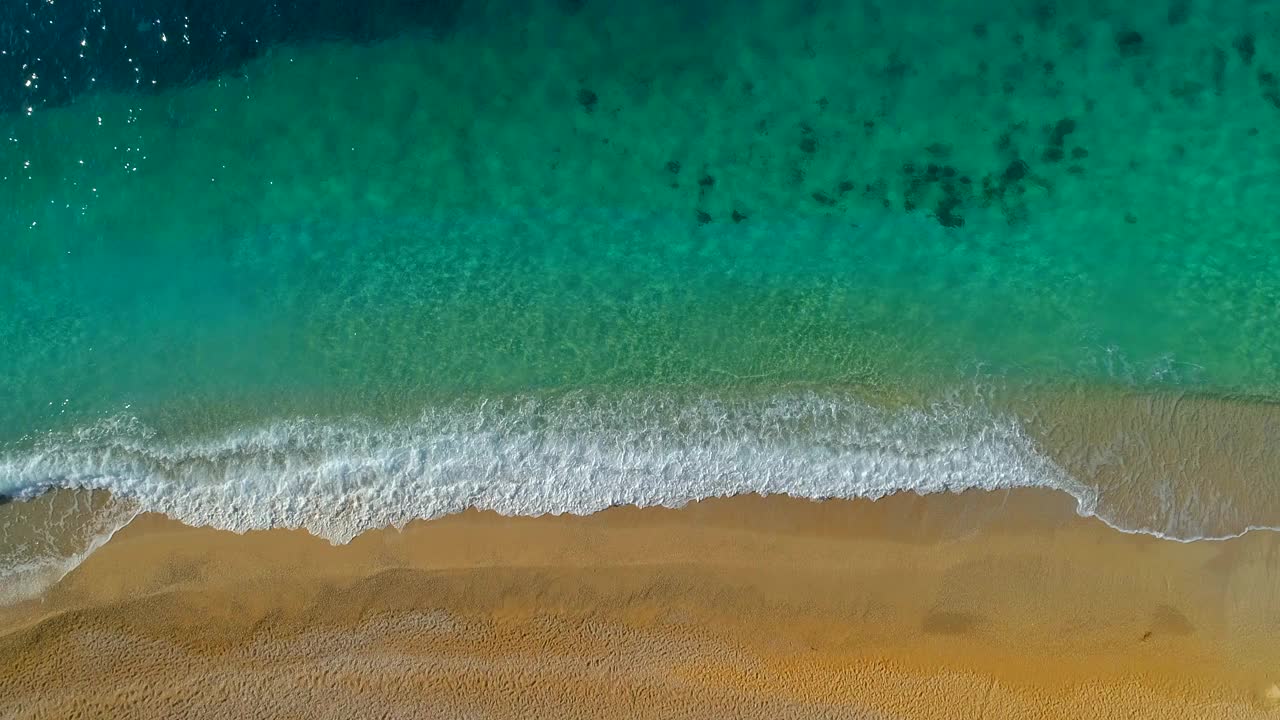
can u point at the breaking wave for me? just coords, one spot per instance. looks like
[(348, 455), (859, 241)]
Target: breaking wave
[(574, 453)]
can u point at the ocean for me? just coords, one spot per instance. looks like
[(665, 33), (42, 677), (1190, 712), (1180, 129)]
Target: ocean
[(306, 264)]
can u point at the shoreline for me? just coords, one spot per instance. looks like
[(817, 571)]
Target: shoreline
[(1177, 466), (1008, 603)]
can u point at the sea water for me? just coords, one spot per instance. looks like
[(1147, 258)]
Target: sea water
[(554, 256)]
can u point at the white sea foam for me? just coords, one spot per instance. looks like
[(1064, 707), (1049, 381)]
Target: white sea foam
[(574, 453)]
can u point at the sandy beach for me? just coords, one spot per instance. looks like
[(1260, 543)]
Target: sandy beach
[(981, 605)]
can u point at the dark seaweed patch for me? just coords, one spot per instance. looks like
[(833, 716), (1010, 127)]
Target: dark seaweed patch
[(938, 185), (946, 213), (1129, 43), (1014, 171), (939, 150), (1061, 130), (1270, 87), (1246, 48)]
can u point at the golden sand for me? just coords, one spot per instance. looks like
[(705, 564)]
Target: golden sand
[(975, 606)]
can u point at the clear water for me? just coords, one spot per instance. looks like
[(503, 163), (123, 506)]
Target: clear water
[(999, 219)]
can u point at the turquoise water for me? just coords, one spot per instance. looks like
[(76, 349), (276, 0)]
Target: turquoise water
[(413, 264)]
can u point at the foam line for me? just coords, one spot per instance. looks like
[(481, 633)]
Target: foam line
[(575, 453)]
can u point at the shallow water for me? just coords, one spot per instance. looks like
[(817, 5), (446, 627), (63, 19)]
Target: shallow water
[(381, 271)]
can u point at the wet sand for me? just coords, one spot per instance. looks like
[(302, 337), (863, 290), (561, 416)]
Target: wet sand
[(981, 605)]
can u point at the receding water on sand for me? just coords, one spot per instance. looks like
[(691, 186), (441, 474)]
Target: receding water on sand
[(44, 538)]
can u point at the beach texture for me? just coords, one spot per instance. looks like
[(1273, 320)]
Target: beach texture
[(980, 605)]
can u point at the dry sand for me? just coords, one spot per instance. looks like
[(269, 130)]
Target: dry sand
[(975, 606)]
